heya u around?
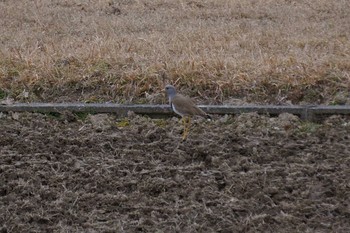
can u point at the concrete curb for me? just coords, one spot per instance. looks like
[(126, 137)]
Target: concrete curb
[(311, 113)]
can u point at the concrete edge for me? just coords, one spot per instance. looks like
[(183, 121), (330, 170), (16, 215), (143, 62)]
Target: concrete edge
[(310, 113)]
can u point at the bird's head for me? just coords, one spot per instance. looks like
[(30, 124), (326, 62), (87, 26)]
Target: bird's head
[(170, 90)]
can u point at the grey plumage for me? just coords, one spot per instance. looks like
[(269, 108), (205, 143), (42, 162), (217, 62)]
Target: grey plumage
[(183, 105)]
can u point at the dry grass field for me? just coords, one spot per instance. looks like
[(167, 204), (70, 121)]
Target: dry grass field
[(219, 50), (74, 172)]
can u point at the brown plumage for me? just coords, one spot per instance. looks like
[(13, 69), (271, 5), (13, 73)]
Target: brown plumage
[(184, 106)]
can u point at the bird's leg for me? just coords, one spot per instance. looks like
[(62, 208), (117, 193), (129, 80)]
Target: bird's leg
[(183, 120), (187, 124), (184, 135)]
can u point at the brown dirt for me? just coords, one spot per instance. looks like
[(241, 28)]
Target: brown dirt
[(246, 173)]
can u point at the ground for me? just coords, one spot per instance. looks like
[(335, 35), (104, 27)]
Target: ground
[(246, 173)]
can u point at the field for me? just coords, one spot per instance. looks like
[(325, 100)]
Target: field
[(125, 51), (77, 172), (247, 173)]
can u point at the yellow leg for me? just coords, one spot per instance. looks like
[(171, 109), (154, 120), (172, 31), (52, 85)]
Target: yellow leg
[(184, 135), (187, 124), (183, 121)]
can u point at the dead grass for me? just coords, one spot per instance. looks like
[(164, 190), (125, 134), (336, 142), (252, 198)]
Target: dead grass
[(126, 51)]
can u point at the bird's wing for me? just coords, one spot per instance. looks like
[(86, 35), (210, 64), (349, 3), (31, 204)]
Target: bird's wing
[(186, 106)]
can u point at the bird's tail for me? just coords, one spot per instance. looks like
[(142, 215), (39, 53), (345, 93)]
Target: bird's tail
[(208, 117)]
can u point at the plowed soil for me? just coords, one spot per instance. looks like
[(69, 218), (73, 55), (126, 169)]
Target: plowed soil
[(246, 173)]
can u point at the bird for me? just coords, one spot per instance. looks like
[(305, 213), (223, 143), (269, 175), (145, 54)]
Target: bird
[(184, 107)]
